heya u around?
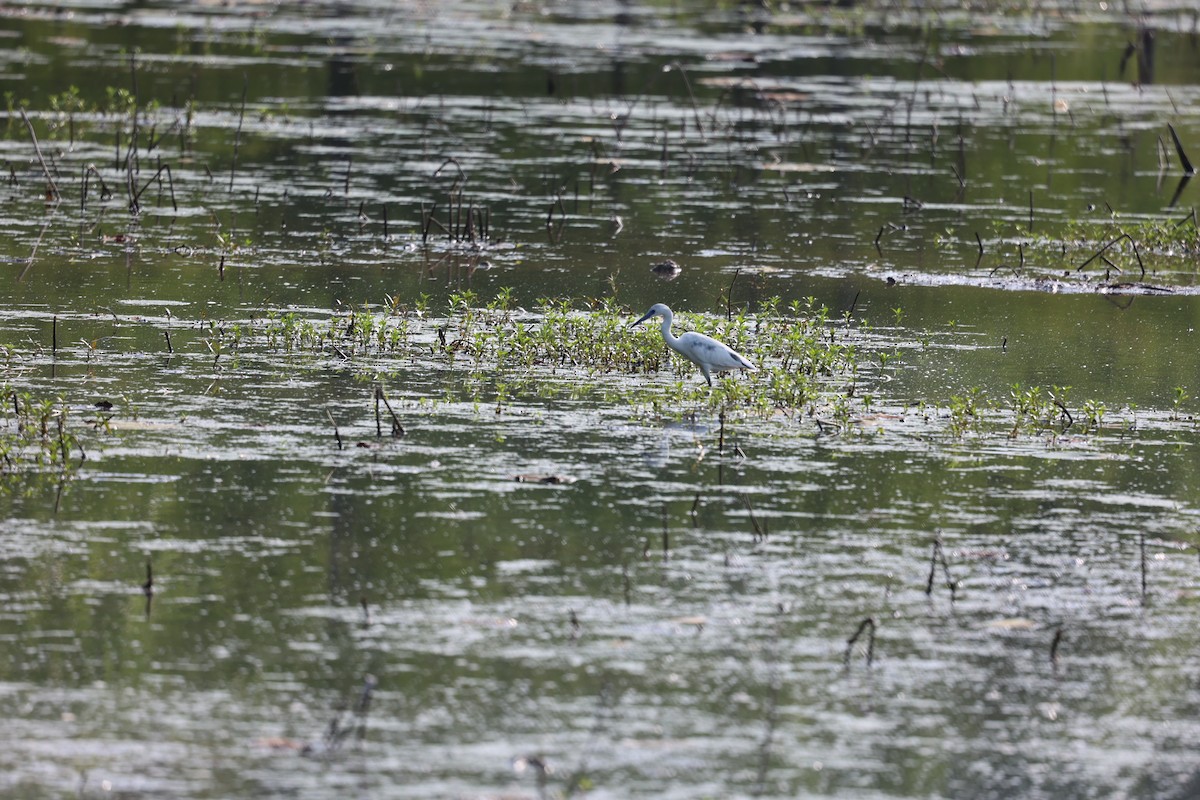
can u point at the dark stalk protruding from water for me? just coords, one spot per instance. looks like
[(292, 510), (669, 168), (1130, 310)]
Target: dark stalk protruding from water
[(1063, 409), (378, 422), (132, 165), (556, 233), (148, 587), (1058, 638), (167, 334), (426, 221), (576, 628), (362, 602), (1104, 249), (397, 428), (135, 206), (978, 241), (666, 534), (51, 186), (695, 108), (1142, 562), (721, 435), (237, 137), (760, 533), (54, 337), (221, 268), (937, 556), (336, 434), (867, 626), (729, 295), (385, 221), (88, 172), (1184, 161)]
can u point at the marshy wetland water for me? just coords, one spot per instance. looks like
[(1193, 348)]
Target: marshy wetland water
[(330, 466)]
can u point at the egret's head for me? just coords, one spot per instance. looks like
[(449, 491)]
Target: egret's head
[(656, 310)]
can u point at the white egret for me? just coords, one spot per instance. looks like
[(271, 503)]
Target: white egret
[(704, 351)]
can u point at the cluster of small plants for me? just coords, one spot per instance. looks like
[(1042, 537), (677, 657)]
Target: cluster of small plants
[(560, 346), (36, 438), (1119, 249), (1030, 411)]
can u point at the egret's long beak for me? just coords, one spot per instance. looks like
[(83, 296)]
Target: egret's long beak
[(640, 321)]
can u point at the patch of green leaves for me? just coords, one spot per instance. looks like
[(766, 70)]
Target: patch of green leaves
[(36, 439)]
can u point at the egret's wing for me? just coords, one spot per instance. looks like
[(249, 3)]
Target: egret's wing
[(707, 350)]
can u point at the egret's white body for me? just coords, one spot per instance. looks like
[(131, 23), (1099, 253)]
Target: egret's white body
[(704, 351)]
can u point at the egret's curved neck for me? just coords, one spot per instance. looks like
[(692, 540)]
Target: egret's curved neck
[(671, 339)]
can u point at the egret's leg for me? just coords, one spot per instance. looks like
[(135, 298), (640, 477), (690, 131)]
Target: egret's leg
[(707, 377)]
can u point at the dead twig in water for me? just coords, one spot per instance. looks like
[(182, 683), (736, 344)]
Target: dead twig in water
[(666, 534), (51, 185), (939, 556), (1058, 638), (237, 137), (760, 533), (33, 251), (1104, 249), (1142, 561), (88, 172), (729, 295), (148, 587), (695, 109), (397, 428), (1184, 161), (336, 434), (135, 206), (868, 626)]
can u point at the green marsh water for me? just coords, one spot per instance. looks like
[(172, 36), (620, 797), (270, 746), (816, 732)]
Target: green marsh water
[(671, 619)]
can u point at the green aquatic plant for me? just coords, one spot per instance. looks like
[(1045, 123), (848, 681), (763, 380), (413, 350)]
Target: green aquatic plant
[(1117, 247), (965, 411), (562, 348), (1181, 397), (811, 363), (36, 439)]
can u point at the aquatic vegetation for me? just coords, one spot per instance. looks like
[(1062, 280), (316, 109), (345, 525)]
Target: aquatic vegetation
[(1026, 411), (1118, 247), (36, 439), (562, 348)]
